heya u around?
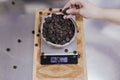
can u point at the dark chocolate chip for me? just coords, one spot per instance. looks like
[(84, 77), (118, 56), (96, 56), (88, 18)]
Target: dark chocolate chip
[(13, 2), (40, 12), (50, 9), (19, 40), (36, 44), (38, 35), (75, 52), (60, 10), (48, 13), (64, 11), (33, 32), (66, 50), (14, 67), (8, 49)]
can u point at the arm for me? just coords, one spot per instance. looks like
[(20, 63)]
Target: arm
[(88, 10), (112, 15)]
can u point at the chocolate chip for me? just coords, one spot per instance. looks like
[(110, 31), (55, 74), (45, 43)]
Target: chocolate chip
[(38, 35), (48, 13), (50, 9), (66, 50), (60, 10), (8, 49), (19, 40), (14, 67), (64, 11), (40, 12), (33, 32), (13, 2), (74, 52), (36, 44)]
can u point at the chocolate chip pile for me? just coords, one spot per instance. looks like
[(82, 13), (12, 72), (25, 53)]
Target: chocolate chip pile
[(58, 30)]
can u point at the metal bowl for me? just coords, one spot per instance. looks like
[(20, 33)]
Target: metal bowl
[(58, 45)]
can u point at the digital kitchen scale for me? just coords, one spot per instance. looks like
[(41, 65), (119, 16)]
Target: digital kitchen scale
[(51, 63), (54, 55)]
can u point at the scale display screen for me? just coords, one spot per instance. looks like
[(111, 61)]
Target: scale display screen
[(59, 59)]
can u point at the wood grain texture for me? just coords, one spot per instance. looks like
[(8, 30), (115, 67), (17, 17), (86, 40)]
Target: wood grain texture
[(60, 71)]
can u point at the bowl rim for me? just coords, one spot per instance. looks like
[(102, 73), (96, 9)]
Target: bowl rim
[(59, 45)]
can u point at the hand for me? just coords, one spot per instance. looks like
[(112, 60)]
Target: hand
[(83, 8)]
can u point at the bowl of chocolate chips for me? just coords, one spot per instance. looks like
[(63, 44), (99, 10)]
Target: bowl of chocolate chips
[(57, 31)]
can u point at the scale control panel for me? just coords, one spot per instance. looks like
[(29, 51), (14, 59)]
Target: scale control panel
[(59, 59)]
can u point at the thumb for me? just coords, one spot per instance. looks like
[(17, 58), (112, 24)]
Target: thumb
[(72, 11)]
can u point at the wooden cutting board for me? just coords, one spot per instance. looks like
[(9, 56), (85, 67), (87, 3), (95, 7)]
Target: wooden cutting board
[(59, 71)]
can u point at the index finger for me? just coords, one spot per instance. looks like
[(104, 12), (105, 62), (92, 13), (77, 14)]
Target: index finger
[(67, 5)]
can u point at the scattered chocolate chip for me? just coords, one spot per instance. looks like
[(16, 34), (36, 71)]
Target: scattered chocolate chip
[(50, 9), (38, 35), (66, 50), (8, 49), (19, 40), (64, 11), (48, 13), (33, 32), (74, 52), (40, 12), (77, 31), (13, 2), (58, 30), (36, 44), (14, 67), (60, 10)]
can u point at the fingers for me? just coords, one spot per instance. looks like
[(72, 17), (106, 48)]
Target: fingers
[(69, 4), (67, 16), (73, 11)]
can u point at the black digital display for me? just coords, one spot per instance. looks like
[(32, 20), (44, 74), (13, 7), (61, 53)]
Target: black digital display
[(59, 59)]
